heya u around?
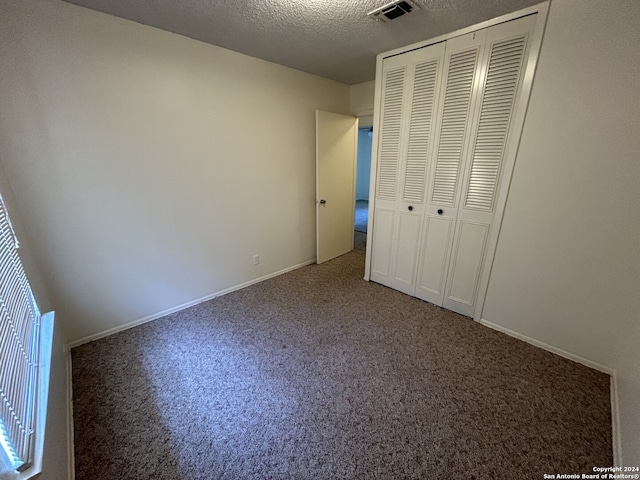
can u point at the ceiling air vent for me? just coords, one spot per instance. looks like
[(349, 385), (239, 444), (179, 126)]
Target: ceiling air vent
[(393, 10)]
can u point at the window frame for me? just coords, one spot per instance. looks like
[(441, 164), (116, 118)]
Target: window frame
[(42, 341)]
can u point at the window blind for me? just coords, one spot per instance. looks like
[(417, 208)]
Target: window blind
[(19, 334)]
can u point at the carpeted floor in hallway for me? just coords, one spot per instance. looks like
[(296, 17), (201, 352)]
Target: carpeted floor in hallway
[(317, 374)]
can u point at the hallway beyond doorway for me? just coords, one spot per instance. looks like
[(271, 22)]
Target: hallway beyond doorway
[(362, 216)]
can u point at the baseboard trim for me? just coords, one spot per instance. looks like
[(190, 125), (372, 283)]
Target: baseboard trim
[(616, 440), (615, 423), (550, 348), (155, 316), (71, 460)]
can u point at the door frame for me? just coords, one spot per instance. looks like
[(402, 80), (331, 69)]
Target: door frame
[(511, 148)]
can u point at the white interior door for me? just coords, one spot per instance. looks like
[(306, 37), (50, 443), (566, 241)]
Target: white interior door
[(336, 150)]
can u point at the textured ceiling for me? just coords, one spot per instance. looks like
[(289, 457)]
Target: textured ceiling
[(330, 38)]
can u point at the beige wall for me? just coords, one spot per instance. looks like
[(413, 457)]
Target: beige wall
[(361, 102), (567, 266), (361, 98), (149, 167)]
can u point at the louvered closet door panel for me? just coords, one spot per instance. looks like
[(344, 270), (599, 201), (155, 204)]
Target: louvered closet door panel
[(406, 233), (389, 143), (420, 128), (469, 245), (424, 77), (497, 103), (453, 113), (438, 233), (504, 59), (445, 130), (461, 73), (383, 220), (390, 130), (404, 150)]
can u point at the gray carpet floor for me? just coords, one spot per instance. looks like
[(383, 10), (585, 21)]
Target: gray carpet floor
[(359, 241), (317, 374), (361, 216)]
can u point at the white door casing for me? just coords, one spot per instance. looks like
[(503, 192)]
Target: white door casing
[(336, 150)]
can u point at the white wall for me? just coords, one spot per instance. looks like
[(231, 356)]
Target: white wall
[(361, 102), (567, 266), (150, 167), (124, 147), (55, 464)]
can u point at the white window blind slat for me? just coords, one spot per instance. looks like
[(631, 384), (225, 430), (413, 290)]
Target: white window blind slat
[(19, 333)]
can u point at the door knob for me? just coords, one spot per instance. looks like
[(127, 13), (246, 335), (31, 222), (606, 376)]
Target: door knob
[(410, 208), (440, 211), (322, 202)]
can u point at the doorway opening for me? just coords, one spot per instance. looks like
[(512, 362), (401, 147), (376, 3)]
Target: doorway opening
[(363, 173)]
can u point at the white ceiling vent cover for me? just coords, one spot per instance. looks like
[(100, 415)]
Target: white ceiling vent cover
[(393, 10)]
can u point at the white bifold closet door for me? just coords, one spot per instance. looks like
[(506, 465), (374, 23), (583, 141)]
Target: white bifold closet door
[(409, 98), (440, 158)]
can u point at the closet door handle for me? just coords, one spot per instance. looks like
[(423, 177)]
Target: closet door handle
[(440, 211), (410, 208)]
